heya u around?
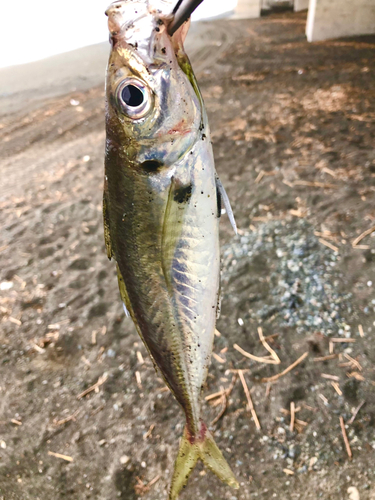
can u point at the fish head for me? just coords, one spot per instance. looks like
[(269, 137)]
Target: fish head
[(153, 110)]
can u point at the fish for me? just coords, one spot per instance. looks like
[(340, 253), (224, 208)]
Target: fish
[(162, 204)]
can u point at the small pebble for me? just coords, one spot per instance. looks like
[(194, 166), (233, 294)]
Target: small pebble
[(124, 459), (6, 285)]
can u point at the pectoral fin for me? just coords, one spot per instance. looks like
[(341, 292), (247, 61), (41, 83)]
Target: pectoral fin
[(225, 200), (178, 199)]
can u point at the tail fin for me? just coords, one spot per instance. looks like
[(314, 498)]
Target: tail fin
[(205, 449)]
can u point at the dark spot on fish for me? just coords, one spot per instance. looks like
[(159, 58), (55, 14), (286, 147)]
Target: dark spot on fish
[(218, 199), (157, 29), (183, 194), (203, 137), (151, 165), (163, 50)]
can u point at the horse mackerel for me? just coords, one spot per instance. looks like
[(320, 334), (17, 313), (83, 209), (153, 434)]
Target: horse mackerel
[(162, 204)]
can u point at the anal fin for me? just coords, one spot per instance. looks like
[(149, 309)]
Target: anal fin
[(124, 295)]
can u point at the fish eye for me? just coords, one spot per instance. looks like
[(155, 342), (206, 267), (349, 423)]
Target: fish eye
[(134, 98)]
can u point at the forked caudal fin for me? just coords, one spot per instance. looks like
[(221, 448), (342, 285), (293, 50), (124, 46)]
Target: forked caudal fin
[(205, 449)]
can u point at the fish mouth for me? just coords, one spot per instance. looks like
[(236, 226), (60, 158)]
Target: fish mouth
[(139, 24), (123, 14)]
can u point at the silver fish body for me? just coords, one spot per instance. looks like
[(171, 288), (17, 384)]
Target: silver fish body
[(162, 205)]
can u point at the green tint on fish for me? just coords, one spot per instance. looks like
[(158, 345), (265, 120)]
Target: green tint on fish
[(162, 204)]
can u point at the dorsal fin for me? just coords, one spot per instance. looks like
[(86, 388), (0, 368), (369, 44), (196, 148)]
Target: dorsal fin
[(107, 234), (226, 202)]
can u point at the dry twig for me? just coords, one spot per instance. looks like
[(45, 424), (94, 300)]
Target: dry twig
[(224, 402), (227, 391), (346, 440), (314, 184), (328, 244), (325, 358), (218, 358), (140, 358), (249, 400), (336, 386), (355, 412), (67, 419), (139, 380), (363, 235), (141, 489), (330, 377), (273, 360), (287, 370), (356, 375), (259, 359), (292, 415), (288, 472), (149, 432), (353, 361), (94, 387), (15, 422), (267, 346), (323, 398), (59, 455)]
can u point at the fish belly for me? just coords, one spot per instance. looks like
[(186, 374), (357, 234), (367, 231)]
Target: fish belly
[(165, 241)]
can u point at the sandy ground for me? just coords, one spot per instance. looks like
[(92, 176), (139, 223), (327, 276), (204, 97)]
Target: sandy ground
[(293, 132)]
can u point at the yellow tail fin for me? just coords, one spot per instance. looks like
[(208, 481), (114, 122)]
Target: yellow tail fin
[(205, 449)]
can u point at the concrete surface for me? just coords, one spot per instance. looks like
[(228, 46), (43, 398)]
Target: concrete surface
[(338, 18), (247, 9), (301, 5)]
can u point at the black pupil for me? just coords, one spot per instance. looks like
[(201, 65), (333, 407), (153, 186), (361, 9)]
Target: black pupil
[(132, 96)]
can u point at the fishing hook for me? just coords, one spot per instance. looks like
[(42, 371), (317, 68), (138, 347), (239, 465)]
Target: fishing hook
[(182, 12)]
